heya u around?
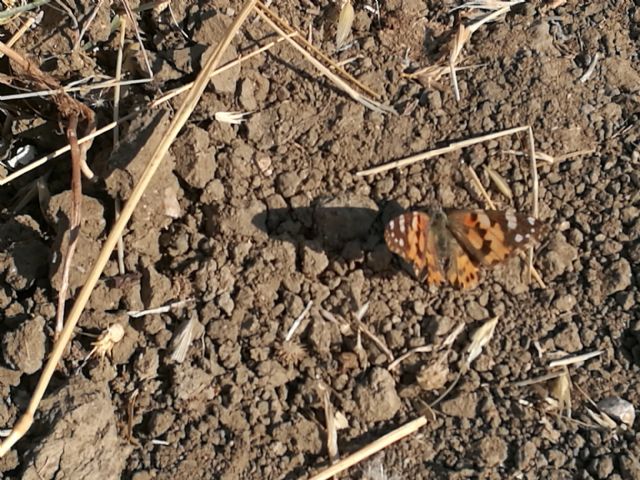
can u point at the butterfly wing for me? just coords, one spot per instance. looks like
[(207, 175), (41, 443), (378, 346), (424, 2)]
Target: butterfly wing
[(491, 236), (410, 236), (461, 269)]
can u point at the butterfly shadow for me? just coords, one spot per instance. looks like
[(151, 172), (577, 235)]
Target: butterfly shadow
[(343, 233)]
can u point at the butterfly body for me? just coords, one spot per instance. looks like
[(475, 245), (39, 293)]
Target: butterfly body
[(451, 245)]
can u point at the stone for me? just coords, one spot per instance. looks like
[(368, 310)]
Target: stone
[(617, 277), (24, 348), (464, 405), (557, 257), (160, 422), (491, 451), (313, 262), (195, 163), (377, 398)]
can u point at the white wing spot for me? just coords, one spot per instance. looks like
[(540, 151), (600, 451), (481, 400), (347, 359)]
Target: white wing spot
[(401, 242), (533, 230), (401, 224), (531, 220), (484, 221), (527, 236), (518, 238), (391, 224), (512, 221)]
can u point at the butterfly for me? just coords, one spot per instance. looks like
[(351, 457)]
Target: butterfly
[(451, 245)]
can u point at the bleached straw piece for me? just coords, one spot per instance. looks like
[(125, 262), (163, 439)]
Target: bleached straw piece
[(182, 115), (374, 447), (575, 359), (116, 89), (440, 151), (297, 321), (592, 66), (343, 85), (540, 379), (404, 356), (162, 309)]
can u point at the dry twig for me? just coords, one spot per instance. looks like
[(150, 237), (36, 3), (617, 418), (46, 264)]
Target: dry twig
[(336, 74), (111, 83), (372, 448), (182, 115), (74, 224)]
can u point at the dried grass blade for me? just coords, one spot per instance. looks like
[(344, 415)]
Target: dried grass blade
[(575, 359), (371, 104), (181, 116), (480, 338), (440, 151), (345, 21), (74, 226), (116, 88), (372, 448), (500, 183)]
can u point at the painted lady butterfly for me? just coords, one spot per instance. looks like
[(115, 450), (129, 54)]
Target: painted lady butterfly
[(453, 244)]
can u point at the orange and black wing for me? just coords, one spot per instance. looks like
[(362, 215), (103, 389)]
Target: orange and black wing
[(461, 270), (409, 236), (491, 236)]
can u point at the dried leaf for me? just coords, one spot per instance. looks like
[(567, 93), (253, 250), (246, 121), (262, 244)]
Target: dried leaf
[(561, 391), (480, 338), (362, 311), (182, 340), (341, 421), (345, 21), (499, 182), (602, 419), (234, 118), (453, 335)]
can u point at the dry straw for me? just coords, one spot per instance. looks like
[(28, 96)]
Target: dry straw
[(114, 124), (371, 449), (181, 117), (345, 21), (333, 72)]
